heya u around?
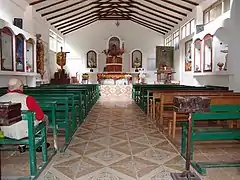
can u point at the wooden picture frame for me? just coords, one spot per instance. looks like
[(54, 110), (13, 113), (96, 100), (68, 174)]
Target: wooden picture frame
[(91, 59), (207, 53), (188, 56), (198, 55), (136, 59), (6, 33), (19, 53)]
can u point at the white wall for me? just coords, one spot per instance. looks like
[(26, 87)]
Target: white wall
[(215, 28), (33, 23), (234, 39), (96, 37)]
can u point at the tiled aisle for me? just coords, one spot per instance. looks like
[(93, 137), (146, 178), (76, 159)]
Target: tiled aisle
[(116, 142)]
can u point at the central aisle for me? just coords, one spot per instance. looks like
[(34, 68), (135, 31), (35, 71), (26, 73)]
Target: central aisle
[(116, 142)]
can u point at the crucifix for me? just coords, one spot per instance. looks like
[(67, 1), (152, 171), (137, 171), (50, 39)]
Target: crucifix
[(61, 58)]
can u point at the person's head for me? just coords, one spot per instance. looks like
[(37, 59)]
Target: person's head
[(15, 84)]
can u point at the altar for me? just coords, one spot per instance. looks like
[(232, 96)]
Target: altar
[(116, 91)]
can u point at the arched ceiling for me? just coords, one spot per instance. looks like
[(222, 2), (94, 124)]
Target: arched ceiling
[(70, 15)]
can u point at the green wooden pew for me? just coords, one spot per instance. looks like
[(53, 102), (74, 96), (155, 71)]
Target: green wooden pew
[(49, 108), (217, 112), (64, 119), (37, 137), (88, 99)]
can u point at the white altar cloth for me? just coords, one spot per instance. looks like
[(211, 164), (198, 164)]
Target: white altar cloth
[(120, 91)]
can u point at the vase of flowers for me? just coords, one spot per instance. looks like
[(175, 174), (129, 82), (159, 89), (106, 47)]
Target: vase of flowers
[(137, 65), (220, 66)]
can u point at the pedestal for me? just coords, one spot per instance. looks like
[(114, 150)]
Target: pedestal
[(189, 105)]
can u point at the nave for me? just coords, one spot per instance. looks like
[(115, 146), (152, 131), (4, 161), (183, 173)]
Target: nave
[(118, 142)]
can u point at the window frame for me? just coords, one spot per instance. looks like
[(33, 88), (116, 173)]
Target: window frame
[(206, 12)]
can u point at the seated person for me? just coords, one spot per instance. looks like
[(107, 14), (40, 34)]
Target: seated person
[(15, 95)]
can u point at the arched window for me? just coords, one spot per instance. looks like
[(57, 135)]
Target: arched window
[(197, 55), (114, 41), (30, 55), (136, 59), (19, 52), (207, 58), (6, 49)]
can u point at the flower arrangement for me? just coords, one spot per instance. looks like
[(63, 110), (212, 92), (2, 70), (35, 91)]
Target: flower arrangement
[(85, 76), (220, 65), (164, 64)]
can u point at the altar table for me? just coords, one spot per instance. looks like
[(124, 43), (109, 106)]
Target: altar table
[(121, 91)]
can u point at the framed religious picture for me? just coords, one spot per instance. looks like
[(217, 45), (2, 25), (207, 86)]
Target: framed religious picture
[(136, 59), (207, 51), (91, 59), (19, 40), (188, 55), (6, 49), (30, 54), (197, 55)]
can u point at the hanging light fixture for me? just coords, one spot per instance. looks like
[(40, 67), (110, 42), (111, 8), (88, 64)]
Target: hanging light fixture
[(117, 23)]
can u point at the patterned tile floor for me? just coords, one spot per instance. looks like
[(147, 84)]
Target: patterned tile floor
[(118, 142)]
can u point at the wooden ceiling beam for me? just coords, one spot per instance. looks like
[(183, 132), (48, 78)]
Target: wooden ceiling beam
[(190, 2), (156, 27), (79, 27), (146, 20), (155, 10), (63, 8), (78, 19), (154, 14), (148, 27), (112, 3), (74, 15), (36, 2), (163, 28), (113, 12), (165, 7), (114, 18), (92, 15), (178, 5), (156, 20), (51, 5)]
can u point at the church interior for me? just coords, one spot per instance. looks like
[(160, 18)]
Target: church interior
[(132, 89)]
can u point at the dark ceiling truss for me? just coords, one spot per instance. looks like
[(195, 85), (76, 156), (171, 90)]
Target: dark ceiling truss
[(36, 2), (80, 26), (165, 7), (51, 5), (147, 26), (64, 8), (158, 15)]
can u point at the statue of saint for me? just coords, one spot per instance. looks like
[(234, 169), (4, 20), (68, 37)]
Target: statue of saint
[(40, 54)]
